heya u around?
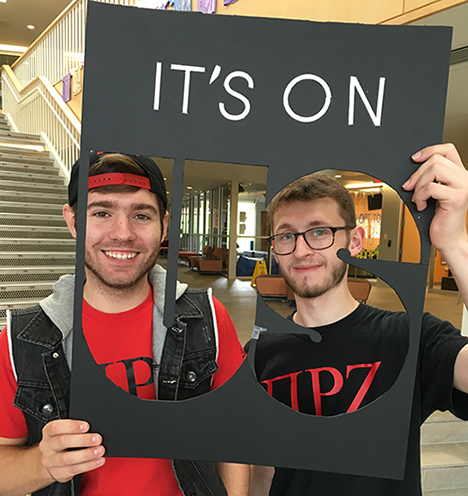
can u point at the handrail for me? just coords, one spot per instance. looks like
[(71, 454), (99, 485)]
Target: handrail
[(59, 18), (38, 109), (46, 31), (60, 48), (74, 121)]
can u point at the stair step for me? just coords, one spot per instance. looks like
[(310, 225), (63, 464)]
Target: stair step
[(16, 230), (15, 167), (44, 241), (26, 235), (40, 255), (60, 197), (12, 304), (29, 232), (31, 187), (14, 134), (28, 176), (443, 427), (12, 141), (41, 260), (32, 220), (25, 286), (12, 155), (21, 147), (35, 271), (33, 275), (28, 207), (32, 245), (444, 466), (60, 262), (447, 492), (38, 294)]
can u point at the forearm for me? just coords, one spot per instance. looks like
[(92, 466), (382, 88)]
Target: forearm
[(21, 470), (235, 477), (457, 260), (260, 480)]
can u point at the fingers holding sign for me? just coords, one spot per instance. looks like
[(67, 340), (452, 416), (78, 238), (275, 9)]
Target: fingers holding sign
[(60, 455), (441, 176)]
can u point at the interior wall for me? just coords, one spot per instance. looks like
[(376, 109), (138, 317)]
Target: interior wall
[(410, 241), (75, 103), (410, 246), (367, 219), (373, 12), (339, 10)]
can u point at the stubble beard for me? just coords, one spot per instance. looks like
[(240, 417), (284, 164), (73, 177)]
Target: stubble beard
[(112, 285), (306, 291)]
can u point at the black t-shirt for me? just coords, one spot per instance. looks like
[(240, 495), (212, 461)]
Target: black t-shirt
[(358, 359)]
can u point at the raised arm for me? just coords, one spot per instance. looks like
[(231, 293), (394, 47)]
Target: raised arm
[(443, 177), (25, 469)]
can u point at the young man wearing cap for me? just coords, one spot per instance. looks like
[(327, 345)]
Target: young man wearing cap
[(42, 452), (362, 348)]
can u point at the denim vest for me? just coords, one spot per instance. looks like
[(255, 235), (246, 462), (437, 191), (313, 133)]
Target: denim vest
[(187, 365)]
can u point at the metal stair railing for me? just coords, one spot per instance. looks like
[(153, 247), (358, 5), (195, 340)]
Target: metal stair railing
[(38, 109), (60, 48)]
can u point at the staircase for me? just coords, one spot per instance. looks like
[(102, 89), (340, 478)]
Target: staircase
[(444, 456), (36, 247)]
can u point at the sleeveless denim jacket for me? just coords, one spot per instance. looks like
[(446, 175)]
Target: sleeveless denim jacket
[(187, 364)]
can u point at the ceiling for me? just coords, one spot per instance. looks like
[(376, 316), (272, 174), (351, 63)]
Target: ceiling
[(15, 15)]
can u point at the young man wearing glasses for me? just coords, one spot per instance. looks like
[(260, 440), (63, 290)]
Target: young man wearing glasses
[(362, 348)]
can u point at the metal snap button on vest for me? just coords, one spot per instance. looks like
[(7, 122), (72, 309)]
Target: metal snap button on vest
[(55, 355), (191, 376), (48, 409)]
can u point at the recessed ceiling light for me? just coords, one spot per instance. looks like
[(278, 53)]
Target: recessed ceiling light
[(3, 1), (30, 26), (337, 176), (362, 185), (189, 187)]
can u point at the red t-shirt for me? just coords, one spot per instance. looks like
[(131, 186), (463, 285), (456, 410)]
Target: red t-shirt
[(128, 363)]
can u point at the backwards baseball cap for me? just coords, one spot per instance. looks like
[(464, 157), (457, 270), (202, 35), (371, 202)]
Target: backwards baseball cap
[(152, 181)]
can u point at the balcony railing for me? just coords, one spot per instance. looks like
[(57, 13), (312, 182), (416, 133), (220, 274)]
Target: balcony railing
[(30, 100), (60, 48)]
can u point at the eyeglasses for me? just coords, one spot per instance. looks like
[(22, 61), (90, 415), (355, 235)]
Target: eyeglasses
[(317, 238)]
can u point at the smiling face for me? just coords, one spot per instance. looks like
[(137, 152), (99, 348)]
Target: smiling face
[(123, 237), (311, 273)]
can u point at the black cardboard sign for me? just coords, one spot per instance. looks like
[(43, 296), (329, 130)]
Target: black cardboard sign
[(294, 96)]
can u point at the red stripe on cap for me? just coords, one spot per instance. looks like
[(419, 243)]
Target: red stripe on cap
[(117, 178)]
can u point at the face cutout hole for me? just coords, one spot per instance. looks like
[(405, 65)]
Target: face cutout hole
[(124, 233), (205, 218), (390, 234), (361, 356)]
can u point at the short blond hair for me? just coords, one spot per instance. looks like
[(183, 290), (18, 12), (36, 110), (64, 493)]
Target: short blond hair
[(314, 187)]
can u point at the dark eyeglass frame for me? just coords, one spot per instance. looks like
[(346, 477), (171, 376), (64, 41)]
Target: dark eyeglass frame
[(303, 234)]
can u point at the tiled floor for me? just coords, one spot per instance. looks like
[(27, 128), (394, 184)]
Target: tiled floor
[(240, 300)]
